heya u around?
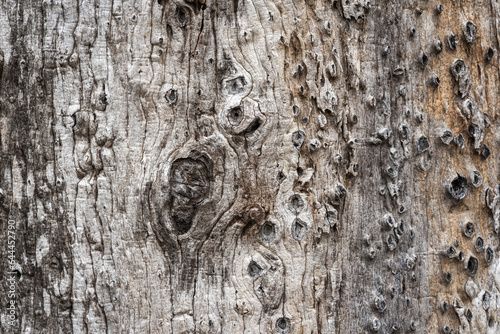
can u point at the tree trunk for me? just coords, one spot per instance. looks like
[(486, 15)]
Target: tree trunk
[(176, 166)]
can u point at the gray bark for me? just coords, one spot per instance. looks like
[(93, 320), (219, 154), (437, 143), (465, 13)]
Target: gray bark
[(179, 166)]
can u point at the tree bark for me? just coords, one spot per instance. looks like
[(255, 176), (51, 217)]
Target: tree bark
[(180, 166)]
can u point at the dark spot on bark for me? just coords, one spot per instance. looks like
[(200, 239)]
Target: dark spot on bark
[(103, 98), (392, 172), (424, 59), (444, 306), (372, 253), (404, 130), (460, 256), (398, 231), (338, 195), (339, 159), (474, 130), (55, 263), (171, 96), (340, 190), (189, 186), (479, 244), (477, 179), (423, 144), (295, 203), (281, 177), (420, 117), (386, 50), (409, 263), (252, 127), (283, 325), (448, 277), (439, 9), (490, 53), (458, 68), (391, 242), (254, 270), (248, 223), (472, 265), (468, 315), (485, 151), (413, 326), (447, 330), (470, 32), (434, 80), (453, 41), (469, 230), (298, 139), (458, 187), (295, 110), (411, 233), (314, 144), (66, 303), (235, 116), (268, 232), (460, 140), (299, 229), (489, 255), (332, 70), (181, 16), (81, 123), (388, 221), (413, 31), (182, 216), (450, 251), (461, 75), (447, 137)]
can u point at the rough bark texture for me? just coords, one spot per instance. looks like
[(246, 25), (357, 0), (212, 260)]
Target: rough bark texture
[(250, 166)]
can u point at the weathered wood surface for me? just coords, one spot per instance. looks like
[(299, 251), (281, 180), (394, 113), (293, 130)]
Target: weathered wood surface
[(250, 166)]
